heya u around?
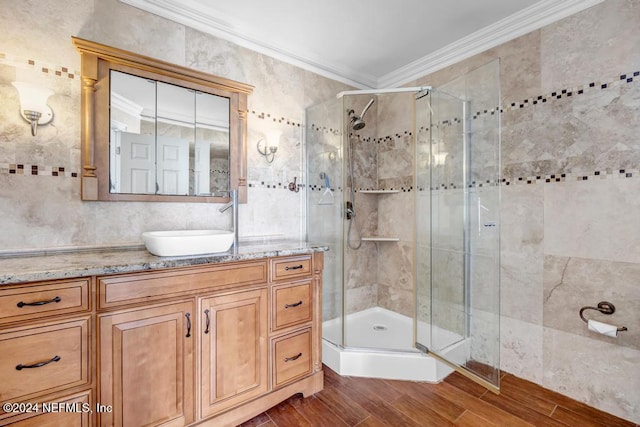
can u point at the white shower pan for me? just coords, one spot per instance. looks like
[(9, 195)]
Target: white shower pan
[(381, 346)]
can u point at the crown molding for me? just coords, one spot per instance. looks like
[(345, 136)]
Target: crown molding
[(204, 21), (530, 19)]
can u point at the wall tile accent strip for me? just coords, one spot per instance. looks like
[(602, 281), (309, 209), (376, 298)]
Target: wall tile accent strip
[(579, 90), (543, 179), (272, 185), (35, 65), (274, 118), (39, 170)]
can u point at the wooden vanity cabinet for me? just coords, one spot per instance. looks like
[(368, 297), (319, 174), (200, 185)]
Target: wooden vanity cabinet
[(254, 341), (45, 352), (146, 365), (233, 349), (206, 345)]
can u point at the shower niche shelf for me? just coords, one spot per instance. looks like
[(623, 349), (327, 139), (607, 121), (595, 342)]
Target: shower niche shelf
[(379, 191), (380, 239)]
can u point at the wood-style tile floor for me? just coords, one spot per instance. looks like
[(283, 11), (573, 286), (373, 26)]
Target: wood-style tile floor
[(457, 401)]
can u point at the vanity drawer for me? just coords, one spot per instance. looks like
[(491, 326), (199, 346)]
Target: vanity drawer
[(43, 359), (46, 299), (291, 304), (291, 357), (145, 287), (291, 267), (68, 411)]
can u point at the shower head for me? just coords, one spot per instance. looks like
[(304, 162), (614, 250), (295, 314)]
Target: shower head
[(356, 121), (357, 124)]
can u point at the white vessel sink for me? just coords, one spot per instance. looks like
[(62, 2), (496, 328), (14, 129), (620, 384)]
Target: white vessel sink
[(187, 242)]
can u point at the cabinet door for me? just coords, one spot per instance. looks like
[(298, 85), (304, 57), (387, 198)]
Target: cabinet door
[(233, 349), (146, 366)]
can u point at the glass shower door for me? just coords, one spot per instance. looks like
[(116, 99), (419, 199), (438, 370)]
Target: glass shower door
[(457, 280), (324, 207)]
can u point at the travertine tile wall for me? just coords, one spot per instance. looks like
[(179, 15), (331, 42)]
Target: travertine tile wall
[(570, 218), (40, 203)]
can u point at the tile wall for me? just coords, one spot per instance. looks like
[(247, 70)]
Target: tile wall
[(570, 218), (40, 202), (570, 215)]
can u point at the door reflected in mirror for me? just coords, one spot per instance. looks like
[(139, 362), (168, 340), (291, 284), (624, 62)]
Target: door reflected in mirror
[(167, 139)]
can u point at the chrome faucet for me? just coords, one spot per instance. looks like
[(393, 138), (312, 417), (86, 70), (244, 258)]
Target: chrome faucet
[(233, 204)]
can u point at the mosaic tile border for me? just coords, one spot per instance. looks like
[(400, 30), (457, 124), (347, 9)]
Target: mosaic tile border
[(41, 66), (625, 78), (532, 180), (268, 116), (314, 187), (37, 170), (568, 92), (273, 185), (545, 179)]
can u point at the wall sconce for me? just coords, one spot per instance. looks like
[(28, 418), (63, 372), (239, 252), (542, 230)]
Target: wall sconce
[(33, 104), (269, 145)]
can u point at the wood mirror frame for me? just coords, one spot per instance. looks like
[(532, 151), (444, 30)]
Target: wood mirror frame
[(97, 60)]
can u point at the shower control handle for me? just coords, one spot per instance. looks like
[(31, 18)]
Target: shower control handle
[(350, 213)]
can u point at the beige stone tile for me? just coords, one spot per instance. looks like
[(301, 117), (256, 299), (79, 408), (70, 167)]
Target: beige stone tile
[(521, 349), (521, 252), (398, 300), (42, 30), (599, 374), (360, 266), (361, 298), (216, 56), (395, 265), (318, 89), (126, 27), (598, 219), (27, 224), (573, 283), (394, 114), (604, 36), (256, 221), (484, 342)]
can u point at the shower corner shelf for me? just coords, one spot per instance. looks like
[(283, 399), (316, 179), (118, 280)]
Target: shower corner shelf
[(379, 191), (380, 239)]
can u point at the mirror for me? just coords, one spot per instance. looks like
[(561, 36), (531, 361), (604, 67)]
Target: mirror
[(154, 131), (167, 139)]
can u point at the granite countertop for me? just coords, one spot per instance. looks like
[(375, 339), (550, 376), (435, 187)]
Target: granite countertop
[(68, 264)]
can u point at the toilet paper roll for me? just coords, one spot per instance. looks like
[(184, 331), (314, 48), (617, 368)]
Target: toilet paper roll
[(603, 328)]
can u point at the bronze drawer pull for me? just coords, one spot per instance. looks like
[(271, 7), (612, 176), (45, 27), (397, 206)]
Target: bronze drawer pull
[(206, 313), (296, 357), (295, 267), (22, 304), (20, 367), (293, 305), (188, 316)]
